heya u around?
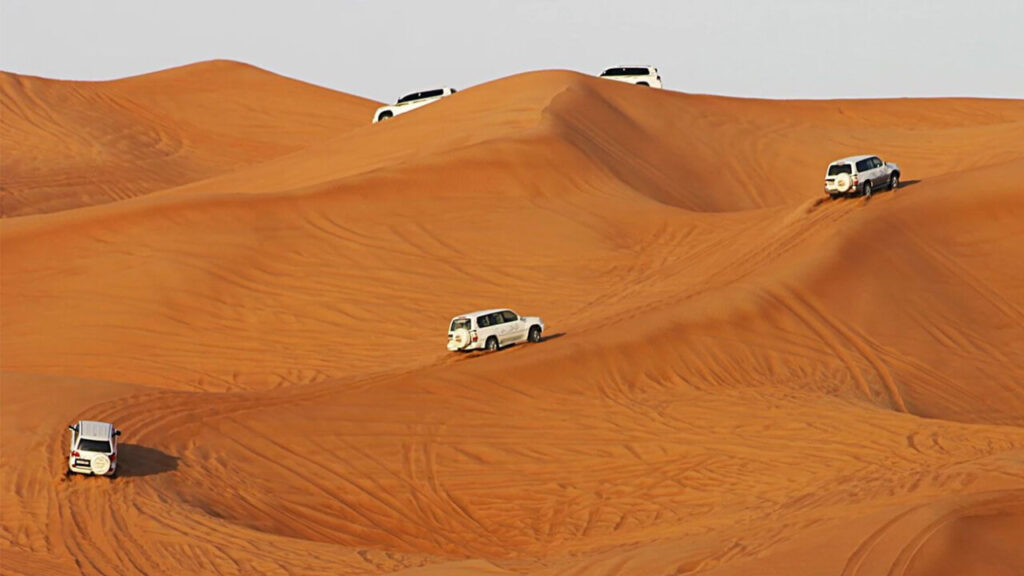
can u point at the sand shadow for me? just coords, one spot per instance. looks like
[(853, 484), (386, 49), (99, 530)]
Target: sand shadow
[(466, 355), (135, 461), (907, 183)]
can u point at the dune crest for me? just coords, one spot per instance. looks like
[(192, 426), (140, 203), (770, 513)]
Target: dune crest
[(71, 144)]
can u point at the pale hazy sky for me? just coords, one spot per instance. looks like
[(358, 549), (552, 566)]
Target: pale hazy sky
[(381, 49)]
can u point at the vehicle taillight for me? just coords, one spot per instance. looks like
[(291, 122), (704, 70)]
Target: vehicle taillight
[(75, 453), (113, 457), (474, 336)]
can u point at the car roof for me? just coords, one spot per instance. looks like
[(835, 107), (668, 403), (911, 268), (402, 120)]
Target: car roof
[(632, 66), (481, 313), (854, 159), (431, 89), (93, 430)]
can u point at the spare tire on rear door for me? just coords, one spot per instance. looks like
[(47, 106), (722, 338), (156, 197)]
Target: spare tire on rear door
[(100, 465), (843, 182), (461, 338)]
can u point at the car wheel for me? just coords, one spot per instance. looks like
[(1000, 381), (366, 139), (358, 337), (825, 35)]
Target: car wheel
[(534, 334), (643, 84), (384, 116), (867, 189), (492, 344), (894, 181), (843, 183)]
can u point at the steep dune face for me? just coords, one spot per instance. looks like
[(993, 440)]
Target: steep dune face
[(740, 376), (72, 144)]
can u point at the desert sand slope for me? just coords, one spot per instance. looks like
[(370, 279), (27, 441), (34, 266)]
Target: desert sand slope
[(69, 144), (740, 376)]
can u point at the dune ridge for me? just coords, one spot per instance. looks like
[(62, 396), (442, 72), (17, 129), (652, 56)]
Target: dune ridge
[(69, 144), (740, 376)]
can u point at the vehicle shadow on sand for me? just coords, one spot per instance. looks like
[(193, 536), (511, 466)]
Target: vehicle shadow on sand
[(135, 460), (478, 353), (903, 184)]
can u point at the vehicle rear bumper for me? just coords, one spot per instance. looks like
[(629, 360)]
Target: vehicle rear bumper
[(88, 470)]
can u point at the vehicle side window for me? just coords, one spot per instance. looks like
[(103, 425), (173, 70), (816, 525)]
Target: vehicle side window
[(864, 165), (496, 319), (509, 316), (877, 162), (483, 321)]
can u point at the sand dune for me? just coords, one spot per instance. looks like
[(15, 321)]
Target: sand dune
[(741, 376), (73, 144)]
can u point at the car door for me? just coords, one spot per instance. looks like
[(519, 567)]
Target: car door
[(516, 329), (484, 329), (873, 173), (865, 171), (500, 327), (883, 173)]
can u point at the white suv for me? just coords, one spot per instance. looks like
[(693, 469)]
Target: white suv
[(639, 75), (93, 448), (410, 102), (862, 174), (492, 329)]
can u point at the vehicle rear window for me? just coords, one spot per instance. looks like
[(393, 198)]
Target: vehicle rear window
[(626, 72), (836, 169), (94, 445), (420, 95), (459, 323)]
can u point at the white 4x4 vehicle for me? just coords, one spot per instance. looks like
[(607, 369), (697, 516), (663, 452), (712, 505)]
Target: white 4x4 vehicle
[(410, 102), (492, 329), (93, 448), (639, 75), (862, 174)]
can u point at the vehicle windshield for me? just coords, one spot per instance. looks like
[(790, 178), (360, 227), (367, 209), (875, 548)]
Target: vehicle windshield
[(87, 445), (626, 72), (420, 95), (460, 323), (837, 169)]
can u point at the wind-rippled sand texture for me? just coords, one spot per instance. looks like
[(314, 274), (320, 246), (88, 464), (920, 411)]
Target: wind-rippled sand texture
[(740, 375)]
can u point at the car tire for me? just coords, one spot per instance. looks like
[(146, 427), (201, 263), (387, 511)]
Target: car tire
[(866, 191), (843, 183), (894, 181), (643, 84), (462, 338), (384, 116), (534, 334), (492, 344)]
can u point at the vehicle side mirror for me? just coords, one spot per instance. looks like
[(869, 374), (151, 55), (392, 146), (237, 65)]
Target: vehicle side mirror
[(117, 433), (72, 428)]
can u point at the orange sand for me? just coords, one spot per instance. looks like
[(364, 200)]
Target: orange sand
[(741, 376)]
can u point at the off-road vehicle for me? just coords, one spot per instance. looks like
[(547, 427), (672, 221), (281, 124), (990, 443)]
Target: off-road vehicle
[(492, 329), (860, 175), (410, 102), (93, 448)]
